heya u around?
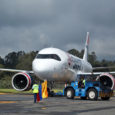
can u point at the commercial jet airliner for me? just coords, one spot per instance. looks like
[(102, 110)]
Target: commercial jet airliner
[(53, 64)]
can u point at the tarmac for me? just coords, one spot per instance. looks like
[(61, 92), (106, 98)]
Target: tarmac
[(16, 104)]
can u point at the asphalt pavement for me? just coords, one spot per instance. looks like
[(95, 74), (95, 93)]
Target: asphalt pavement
[(11, 104)]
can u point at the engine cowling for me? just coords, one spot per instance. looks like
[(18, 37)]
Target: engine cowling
[(107, 80), (22, 81)]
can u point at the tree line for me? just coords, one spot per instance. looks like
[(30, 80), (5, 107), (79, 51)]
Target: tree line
[(22, 60)]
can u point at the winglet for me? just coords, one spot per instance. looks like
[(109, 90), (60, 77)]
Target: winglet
[(85, 57)]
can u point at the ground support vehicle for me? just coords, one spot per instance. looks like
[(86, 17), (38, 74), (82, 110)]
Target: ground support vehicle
[(92, 90)]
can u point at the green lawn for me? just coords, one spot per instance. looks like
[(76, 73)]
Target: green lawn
[(13, 91), (19, 92)]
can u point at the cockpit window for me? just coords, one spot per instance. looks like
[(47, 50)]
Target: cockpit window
[(48, 56)]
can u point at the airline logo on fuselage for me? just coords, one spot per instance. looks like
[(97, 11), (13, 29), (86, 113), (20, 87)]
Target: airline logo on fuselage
[(77, 65)]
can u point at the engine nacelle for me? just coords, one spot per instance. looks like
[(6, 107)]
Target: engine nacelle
[(22, 81), (107, 80)]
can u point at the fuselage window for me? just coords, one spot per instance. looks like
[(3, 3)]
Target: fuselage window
[(49, 56)]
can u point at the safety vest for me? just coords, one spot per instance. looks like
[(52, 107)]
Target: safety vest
[(35, 88), (84, 82)]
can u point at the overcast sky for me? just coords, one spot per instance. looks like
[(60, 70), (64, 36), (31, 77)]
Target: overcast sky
[(34, 24)]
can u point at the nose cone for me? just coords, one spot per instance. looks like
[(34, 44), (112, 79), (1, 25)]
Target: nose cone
[(43, 68), (38, 66)]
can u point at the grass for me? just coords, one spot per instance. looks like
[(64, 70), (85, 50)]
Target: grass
[(22, 92), (14, 91)]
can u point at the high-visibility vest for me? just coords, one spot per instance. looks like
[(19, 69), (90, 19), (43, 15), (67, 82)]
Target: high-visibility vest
[(84, 82), (35, 88)]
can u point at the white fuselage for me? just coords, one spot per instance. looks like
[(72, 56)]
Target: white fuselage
[(54, 64)]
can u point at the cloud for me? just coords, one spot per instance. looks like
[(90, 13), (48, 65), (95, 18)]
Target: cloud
[(34, 24)]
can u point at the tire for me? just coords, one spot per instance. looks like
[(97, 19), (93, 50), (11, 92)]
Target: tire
[(92, 94), (48, 90), (50, 93), (70, 93), (105, 98)]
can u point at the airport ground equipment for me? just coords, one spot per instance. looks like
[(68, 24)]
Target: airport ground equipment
[(92, 90)]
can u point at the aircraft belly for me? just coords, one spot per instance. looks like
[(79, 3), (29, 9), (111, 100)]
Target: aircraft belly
[(58, 76)]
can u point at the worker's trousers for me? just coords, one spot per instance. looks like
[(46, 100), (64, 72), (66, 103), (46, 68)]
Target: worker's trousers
[(35, 97)]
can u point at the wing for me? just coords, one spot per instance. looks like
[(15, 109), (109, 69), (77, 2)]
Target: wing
[(15, 70), (96, 73), (102, 68)]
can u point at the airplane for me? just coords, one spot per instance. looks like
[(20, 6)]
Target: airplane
[(53, 64)]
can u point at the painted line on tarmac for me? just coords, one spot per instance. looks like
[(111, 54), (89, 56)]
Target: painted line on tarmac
[(2, 93), (6, 102), (43, 108)]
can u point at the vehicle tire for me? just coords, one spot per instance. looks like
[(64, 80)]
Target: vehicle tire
[(105, 98), (48, 90), (50, 93), (70, 93), (92, 94)]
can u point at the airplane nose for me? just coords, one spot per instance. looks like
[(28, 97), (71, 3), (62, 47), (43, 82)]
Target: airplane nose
[(42, 68), (38, 66)]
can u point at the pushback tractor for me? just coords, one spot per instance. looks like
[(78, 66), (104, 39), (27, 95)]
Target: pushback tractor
[(92, 91)]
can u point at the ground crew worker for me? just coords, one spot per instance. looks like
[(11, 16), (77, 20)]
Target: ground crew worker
[(35, 89), (81, 82), (84, 82)]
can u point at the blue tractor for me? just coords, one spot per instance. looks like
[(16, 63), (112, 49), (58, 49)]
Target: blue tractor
[(92, 90)]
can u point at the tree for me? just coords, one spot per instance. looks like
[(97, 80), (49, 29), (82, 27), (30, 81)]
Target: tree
[(74, 52), (11, 60), (92, 58), (1, 61), (25, 61), (81, 53)]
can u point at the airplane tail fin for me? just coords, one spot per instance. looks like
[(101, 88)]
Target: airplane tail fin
[(85, 57)]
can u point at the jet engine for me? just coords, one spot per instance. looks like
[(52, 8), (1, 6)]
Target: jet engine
[(107, 80), (22, 81)]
